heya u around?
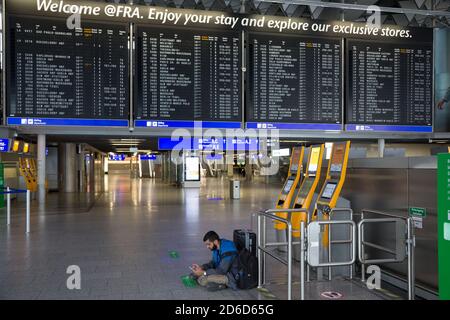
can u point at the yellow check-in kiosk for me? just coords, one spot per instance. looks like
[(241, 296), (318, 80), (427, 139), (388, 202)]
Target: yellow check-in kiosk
[(331, 189), (308, 187), (286, 196), (328, 199), (28, 174)]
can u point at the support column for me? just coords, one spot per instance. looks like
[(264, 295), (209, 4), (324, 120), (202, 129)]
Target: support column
[(81, 169), (70, 176), (41, 173), (381, 144)]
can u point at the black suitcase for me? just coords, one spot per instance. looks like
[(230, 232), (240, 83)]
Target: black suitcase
[(244, 238)]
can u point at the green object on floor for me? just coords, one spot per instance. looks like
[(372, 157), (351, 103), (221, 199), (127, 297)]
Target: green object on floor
[(188, 281), (174, 254)]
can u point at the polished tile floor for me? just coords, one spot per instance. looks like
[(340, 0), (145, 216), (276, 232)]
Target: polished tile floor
[(121, 238)]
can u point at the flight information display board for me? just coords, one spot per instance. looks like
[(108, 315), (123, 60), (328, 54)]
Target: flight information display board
[(295, 82), (61, 76), (390, 87), (187, 75)]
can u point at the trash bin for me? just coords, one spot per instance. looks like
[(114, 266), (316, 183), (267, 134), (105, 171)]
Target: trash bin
[(235, 189)]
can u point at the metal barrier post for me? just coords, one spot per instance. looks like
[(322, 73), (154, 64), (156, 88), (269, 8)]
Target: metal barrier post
[(302, 260), (28, 210), (264, 252), (289, 262), (363, 267), (329, 250), (411, 267), (260, 254), (8, 207)]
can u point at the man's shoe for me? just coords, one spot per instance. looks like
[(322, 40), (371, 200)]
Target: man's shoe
[(215, 287)]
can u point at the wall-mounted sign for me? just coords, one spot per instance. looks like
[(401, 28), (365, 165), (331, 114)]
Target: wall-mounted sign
[(192, 169), (147, 157), (117, 157), (4, 145)]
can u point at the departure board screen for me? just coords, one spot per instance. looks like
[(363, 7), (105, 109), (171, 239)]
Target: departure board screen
[(79, 75), (295, 82), (390, 86), (187, 75)]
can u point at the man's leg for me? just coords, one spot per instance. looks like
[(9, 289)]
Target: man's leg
[(213, 282)]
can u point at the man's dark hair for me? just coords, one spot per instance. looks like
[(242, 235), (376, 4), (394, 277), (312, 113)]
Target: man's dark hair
[(211, 236)]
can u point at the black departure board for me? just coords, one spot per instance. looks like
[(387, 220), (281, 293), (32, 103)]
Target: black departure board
[(192, 75), (294, 79), (389, 84), (57, 72)]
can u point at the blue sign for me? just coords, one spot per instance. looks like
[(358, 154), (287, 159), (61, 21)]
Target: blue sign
[(4, 145), (209, 144), (294, 126), (187, 124), (67, 122), (388, 128), (147, 157), (117, 157)]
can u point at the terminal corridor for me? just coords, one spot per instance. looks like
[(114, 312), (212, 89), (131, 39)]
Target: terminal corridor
[(123, 242)]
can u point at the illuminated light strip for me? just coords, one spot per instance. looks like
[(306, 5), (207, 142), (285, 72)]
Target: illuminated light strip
[(388, 128), (294, 126), (67, 122)]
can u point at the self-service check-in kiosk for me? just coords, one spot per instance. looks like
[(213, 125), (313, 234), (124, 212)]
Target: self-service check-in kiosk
[(335, 247), (287, 193), (28, 174), (305, 196)]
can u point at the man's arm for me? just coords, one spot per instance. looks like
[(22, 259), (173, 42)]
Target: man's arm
[(223, 267), (208, 265)]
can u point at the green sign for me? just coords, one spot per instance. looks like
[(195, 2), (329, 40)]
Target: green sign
[(418, 212), (443, 179)]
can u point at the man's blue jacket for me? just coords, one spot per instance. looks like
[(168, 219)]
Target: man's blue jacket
[(224, 262)]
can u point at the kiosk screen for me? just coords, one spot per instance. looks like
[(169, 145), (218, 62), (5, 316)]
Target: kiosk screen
[(306, 186), (288, 186), (328, 191)]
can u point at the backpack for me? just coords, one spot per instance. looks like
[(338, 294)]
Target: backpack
[(247, 277)]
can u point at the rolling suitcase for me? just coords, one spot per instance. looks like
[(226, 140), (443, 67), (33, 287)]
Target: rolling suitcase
[(244, 238)]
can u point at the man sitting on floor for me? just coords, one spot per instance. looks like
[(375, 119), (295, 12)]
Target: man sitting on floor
[(221, 271)]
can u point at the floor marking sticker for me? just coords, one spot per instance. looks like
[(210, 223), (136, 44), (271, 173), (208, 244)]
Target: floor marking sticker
[(331, 295)]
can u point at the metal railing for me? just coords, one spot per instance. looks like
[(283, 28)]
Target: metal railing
[(304, 249), (409, 240), (8, 193), (262, 245), (351, 241)]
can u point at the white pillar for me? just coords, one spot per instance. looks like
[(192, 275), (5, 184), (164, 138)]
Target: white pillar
[(41, 154), (70, 177), (381, 144)]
